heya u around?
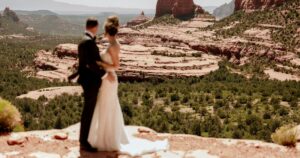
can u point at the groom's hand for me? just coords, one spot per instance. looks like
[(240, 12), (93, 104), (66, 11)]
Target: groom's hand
[(111, 77)]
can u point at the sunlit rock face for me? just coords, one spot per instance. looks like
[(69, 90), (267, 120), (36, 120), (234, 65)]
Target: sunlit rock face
[(248, 5)]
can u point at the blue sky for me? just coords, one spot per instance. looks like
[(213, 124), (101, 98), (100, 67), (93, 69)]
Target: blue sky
[(149, 4)]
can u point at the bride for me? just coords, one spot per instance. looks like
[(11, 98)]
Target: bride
[(107, 130)]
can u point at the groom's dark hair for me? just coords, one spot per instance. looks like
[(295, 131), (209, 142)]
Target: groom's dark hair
[(91, 23)]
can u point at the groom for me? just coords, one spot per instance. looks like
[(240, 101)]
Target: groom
[(89, 78)]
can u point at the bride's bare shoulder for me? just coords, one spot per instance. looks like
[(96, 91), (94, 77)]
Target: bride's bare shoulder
[(115, 48)]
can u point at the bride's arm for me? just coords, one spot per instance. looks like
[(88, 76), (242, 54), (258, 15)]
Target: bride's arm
[(114, 52)]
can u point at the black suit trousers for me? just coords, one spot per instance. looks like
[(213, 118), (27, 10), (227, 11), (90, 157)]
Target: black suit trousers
[(90, 99)]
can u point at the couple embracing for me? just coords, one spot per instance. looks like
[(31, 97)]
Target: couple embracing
[(102, 123)]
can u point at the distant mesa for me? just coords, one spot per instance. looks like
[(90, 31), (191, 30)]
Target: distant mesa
[(142, 18), (249, 5), (178, 8)]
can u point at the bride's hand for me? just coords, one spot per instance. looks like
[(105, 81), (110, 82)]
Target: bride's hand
[(99, 63), (111, 77)]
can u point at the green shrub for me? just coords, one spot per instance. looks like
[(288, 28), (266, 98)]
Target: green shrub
[(175, 97), (285, 135), (10, 117)]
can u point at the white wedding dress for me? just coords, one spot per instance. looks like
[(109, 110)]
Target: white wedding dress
[(107, 130)]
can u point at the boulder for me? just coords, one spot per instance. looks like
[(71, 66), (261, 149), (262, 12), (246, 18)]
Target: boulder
[(60, 136), (16, 139), (248, 5)]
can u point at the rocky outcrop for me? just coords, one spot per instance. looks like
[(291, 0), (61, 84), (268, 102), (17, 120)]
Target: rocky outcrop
[(248, 5), (224, 10), (178, 8), (138, 20), (46, 144), (49, 66), (10, 14), (66, 50)]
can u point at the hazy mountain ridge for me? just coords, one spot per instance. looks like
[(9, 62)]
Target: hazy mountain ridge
[(35, 12), (51, 24), (224, 10), (65, 8)]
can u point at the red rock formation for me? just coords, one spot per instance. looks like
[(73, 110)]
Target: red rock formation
[(178, 8), (183, 8), (164, 7), (248, 5)]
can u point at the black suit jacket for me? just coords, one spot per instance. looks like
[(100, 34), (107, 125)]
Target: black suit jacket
[(89, 71)]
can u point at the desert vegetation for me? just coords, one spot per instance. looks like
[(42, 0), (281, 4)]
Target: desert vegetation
[(285, 135), (10, 117)]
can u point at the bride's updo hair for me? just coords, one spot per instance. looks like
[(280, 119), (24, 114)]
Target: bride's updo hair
[(111, 25)]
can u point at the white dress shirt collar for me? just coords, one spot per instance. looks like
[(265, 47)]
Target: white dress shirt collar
[(91, 34)]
